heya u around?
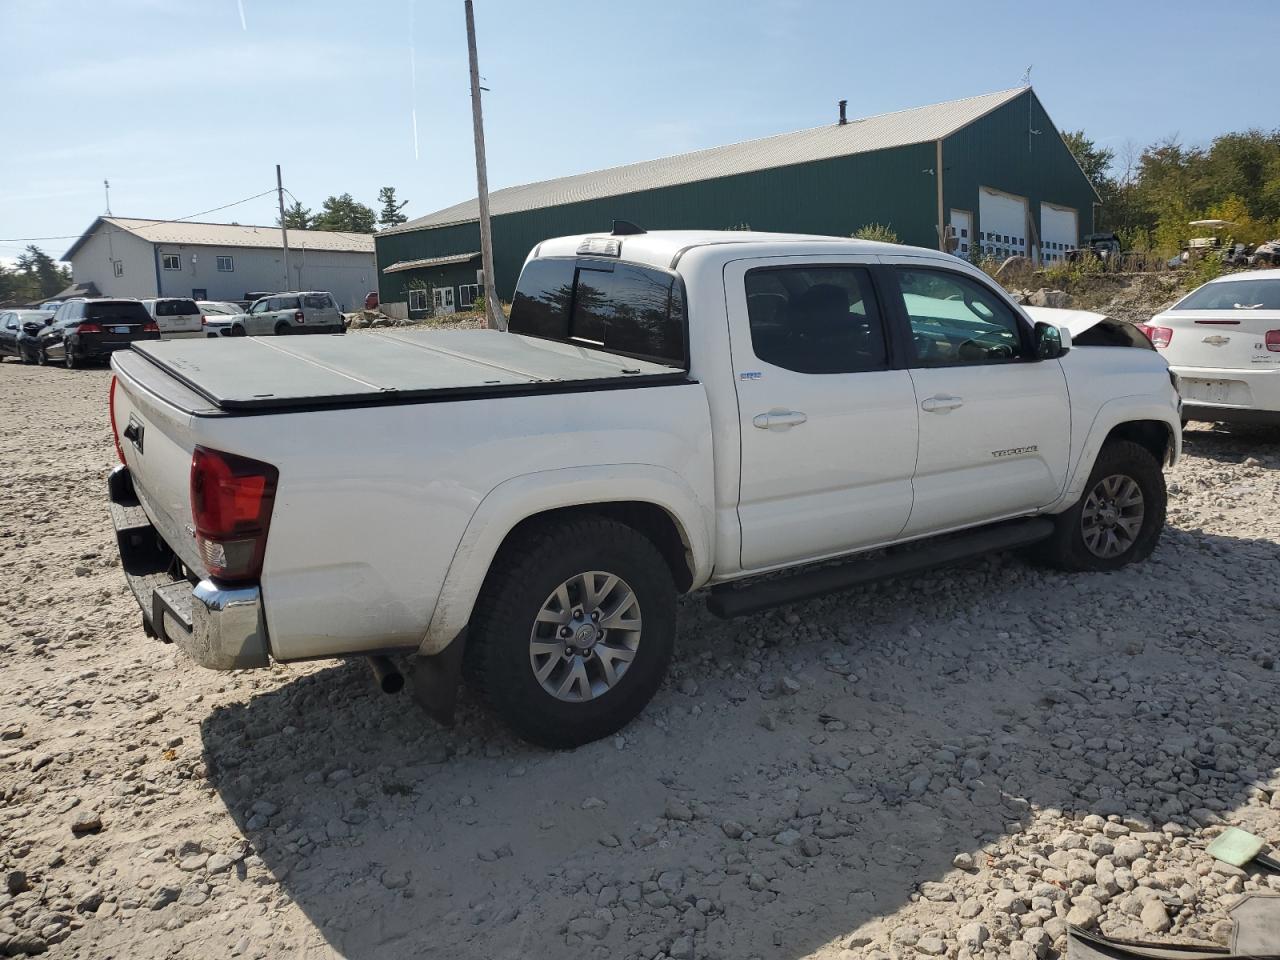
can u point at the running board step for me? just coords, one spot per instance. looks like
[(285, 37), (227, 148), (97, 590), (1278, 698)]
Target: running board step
[(728, 601)]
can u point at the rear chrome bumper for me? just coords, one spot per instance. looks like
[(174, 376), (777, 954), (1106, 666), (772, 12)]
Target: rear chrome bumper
[(219, 627)]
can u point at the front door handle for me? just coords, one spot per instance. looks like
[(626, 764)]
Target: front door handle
[(778, 419), (942, 403)]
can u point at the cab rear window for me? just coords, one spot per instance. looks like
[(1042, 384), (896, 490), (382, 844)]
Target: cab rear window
[(125, 311), (176, 308), (619, 307)]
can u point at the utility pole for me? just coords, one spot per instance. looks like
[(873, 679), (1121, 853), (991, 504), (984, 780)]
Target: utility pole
[(284, 233), (493, 310)]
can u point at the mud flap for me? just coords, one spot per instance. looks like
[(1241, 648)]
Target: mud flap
[(433, 681)]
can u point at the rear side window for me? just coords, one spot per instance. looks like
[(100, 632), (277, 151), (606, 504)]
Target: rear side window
[(317, 301), (818, 319), (1234, 295), (176, 308), (288, 303), (124, 311), (620, 307)]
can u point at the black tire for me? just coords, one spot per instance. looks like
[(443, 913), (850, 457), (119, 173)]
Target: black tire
[(69, 358), (282, 329), (1067, 549), (42, 357), (237, 331), (523, 577)]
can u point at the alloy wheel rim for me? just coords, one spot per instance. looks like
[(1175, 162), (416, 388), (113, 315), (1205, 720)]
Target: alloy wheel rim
[(585, 636), (1112, 516)]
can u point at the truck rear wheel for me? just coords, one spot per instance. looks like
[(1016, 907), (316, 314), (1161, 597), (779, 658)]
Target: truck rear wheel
[(573, 630), (1119, 518)]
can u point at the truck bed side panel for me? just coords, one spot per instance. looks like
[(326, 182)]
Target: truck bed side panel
[(372, 503)]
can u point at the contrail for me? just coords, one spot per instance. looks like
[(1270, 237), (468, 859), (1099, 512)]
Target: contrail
[(413, 81), (243, 26)]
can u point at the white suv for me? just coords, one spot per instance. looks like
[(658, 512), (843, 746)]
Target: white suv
[(177, 317), (308, 311)]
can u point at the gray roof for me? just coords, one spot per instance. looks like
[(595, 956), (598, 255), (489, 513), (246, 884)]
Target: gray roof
[(230, 235), (430, 262), (903, 127)]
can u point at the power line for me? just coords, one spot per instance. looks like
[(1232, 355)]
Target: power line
[(149, 223)]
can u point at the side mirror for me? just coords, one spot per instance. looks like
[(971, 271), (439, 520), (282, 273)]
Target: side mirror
[(1051, 342)]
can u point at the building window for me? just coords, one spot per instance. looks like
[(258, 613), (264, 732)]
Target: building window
[(418, 300), (226, 265), (118, 267), (468, 293), (171, 261)]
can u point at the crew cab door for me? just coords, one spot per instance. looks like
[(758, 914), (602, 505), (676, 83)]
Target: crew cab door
[(995, 422), (828, 426)]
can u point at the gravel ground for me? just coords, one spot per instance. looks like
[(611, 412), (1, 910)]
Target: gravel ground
[(954, 765)]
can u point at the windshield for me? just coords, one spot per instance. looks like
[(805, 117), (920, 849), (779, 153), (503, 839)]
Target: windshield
[(220, 308), (1234, 295), (176, 308), (619, 307), (130, 311)]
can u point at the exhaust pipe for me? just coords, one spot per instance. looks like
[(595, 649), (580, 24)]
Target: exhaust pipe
[(389, 677)]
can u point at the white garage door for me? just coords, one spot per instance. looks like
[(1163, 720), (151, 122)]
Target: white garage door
[(1002, 224), (1058, 227)]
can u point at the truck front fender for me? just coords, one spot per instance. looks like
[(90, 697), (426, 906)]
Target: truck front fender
[(520, 498), (1112, 414)]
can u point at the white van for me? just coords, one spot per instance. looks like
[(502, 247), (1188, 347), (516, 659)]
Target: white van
[(177, 317)]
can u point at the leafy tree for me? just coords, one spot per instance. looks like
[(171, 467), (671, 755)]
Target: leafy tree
[(391, 207), (297, 217), (43, 276), (1095, 161), (345, 215)]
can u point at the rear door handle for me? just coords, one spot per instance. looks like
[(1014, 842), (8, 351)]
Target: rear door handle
[(778, 419), (941, 403)]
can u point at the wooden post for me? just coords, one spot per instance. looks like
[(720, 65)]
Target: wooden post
[(494, 316), (284, 234)]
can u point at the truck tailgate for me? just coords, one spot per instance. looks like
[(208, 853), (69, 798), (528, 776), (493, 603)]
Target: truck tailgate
[(154, 418)]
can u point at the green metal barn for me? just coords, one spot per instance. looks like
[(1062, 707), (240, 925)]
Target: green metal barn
[(992, 168)]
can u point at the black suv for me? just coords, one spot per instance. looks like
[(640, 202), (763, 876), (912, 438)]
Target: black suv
[(85, 330)]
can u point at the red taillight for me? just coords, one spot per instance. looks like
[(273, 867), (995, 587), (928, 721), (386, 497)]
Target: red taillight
[(204, 321), (298, 317), (231, 501), (151, 327), (111, 409), (1160, 337), (88, 328), (1273, 341)]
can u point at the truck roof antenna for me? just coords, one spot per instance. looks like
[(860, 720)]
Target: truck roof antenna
[(625, 228)]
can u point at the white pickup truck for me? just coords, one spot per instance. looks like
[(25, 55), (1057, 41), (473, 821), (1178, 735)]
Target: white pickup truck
[(668, 411)]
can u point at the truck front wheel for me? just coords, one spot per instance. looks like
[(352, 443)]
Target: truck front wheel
[(573, 630), (1120, 517)]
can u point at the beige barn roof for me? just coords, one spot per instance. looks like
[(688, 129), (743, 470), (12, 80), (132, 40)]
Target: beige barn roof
[(230, 235), (903, 127)]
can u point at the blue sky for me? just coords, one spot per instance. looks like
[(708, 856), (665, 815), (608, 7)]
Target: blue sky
[(184, 106)]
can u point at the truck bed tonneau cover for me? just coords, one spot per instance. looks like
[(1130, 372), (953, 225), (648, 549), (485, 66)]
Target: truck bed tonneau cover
[(257, 374)]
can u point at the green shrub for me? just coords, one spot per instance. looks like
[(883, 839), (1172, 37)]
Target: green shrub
[(879, 232)]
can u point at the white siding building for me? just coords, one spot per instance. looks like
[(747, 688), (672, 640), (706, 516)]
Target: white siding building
[(220, 261)]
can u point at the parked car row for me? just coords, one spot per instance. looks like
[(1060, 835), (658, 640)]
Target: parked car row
[(280, 314), (80, 330)]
